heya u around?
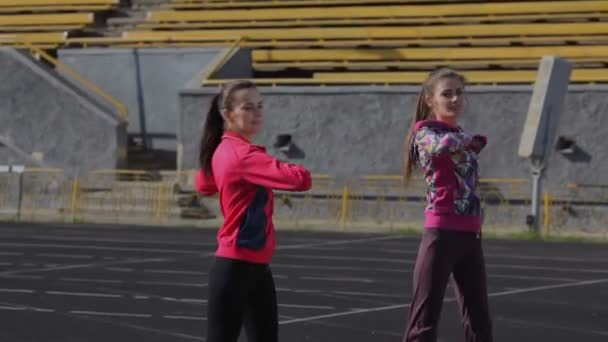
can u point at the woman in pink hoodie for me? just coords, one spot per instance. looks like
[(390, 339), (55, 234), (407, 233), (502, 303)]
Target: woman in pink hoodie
[(451, 241), (241, 286)]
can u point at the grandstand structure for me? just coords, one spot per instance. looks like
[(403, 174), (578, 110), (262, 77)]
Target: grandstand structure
[(49, 23), (143, 70), (331, 42), (367, 42), (360, 41)]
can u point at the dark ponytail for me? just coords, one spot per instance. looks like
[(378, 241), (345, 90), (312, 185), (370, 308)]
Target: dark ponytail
[(212, 134), (424, 112), (215, 125)]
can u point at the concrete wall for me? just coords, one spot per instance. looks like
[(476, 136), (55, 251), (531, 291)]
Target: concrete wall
[(43, 113), (240, 65), (9, 157), (113, 71), (161, 74), (347, 131), (12, 155)]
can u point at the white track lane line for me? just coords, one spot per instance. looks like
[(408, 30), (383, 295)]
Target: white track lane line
[(143, 242), (187, 318), (517, 277), (338, 242), (553, 269), (25, 277), (64, 256), (553, 326), (411, 262), (349, 258), (120, 269), (340, 279), (286, 289), (368, 294), (20, 307), (167, 283), (490, 255), (83, 294), (187, 300), (407, 271), (401, 306), (11, 253), (297, 306), (17, 291), (109, 314), (173, 259), (91, 265), (193, 273), (97, 281), (97, 248)]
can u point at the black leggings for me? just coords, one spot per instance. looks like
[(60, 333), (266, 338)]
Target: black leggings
[(240, 293)]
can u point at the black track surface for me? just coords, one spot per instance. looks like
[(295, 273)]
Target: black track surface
[(122, 284)]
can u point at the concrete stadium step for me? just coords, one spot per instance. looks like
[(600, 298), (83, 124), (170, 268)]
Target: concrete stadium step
[(147, 3), (136, 18), (128, 17)]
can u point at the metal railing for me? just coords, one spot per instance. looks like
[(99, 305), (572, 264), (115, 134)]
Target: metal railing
[(369, 201), (222, 60), (120, 107)]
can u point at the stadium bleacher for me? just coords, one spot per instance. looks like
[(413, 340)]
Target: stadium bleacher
[(374, 15), (423, 58), (485, 77), (39, 6), (248, 4), (47, 23), (566, 31), (359, 40), (354, 40), (47, 40)]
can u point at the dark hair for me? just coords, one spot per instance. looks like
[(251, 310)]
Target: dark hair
[(423, 112), (214, 123)]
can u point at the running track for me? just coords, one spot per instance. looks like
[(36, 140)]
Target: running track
[(123, 284)]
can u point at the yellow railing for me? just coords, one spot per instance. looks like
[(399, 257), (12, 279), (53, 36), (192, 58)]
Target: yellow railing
[(580, 206), (222, 60), (364, 202), (121, 108), (191, 4)]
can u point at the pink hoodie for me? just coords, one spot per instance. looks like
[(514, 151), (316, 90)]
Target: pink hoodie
[(245, 175), (448, 157)]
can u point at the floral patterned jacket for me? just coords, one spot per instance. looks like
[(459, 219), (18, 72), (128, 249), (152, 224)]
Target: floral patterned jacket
[(448, 158)]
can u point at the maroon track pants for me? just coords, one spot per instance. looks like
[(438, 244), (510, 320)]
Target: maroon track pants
[(443, 253)]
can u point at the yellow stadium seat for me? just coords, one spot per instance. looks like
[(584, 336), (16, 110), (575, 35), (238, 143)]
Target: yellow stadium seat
[(191, 25), (47, 19), (8, 6), (45, 23), (193, 4), (465, 32), (476, 77), (529, 63), (395, 11), (34, 3), (403, 54), (51, 38)]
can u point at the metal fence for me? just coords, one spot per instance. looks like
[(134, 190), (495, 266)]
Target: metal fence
[(577, 208), (370, 201), (120, 196), (385, 201)]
